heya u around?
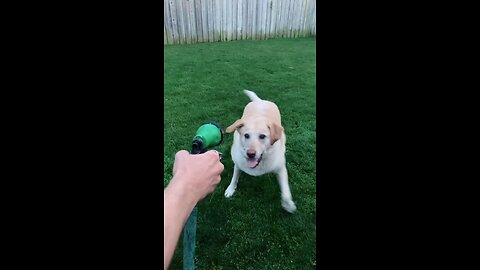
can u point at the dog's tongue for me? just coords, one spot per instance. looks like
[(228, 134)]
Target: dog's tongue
[(252, 162)]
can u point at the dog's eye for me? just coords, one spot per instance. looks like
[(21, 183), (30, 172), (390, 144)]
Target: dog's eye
[(262, 136), (247, 136)]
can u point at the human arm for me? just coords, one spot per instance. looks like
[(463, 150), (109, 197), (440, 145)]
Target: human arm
[(194, 177)]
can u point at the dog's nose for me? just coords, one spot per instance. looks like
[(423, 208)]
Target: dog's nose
[(251, 153)]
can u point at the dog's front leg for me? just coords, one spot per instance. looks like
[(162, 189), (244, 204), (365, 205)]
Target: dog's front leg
[(287, 202), (233, 184)]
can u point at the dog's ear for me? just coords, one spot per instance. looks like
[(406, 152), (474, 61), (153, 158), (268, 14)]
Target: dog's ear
[(238, 124), (275, 132)]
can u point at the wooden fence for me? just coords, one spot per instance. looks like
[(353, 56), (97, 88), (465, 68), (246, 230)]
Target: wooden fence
[(193, 21)]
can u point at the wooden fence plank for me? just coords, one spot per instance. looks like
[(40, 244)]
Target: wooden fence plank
[(167, 21), (234, 19), (314, 23), (224, 20), (278, 19), (181, 25), (216, 32), (198, 20), (282, 18), (204, 20), (268, 14), (186, 18), (260, 18), (239, 19), (172, 21), (247, 18), (271, 25), (285, 18), (291, 12), (266, 9), (192, 19), (304, 18), (209, 20), (255, 19), (218, 18), (228, 11), (296, 14), (244, 19), (299, 18)]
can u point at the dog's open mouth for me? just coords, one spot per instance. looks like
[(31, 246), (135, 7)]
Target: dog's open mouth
[(253, 162)]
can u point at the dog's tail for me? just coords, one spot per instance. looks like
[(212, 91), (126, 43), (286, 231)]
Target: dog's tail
[(252, 95)]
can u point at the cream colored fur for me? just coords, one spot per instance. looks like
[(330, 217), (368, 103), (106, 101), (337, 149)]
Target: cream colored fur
[(267, 154)]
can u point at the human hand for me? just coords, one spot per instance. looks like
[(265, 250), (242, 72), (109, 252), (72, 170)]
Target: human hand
[(198, 175)]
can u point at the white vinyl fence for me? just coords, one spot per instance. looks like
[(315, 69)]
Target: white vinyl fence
[(193, 21)]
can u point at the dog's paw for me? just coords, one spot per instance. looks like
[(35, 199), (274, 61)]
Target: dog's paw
[(229, 192), (289, 206)]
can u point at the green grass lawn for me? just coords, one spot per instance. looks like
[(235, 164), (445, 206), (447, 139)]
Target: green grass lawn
[(205, 82)]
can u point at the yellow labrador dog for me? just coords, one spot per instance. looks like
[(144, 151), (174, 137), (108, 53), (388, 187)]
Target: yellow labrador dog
[(259, 146)]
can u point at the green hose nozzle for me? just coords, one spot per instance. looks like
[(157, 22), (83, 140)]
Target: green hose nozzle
[(208, 135)]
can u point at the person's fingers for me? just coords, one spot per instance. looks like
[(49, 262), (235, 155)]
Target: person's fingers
[(217, 166), (220, 167), (213, 154), (215, 183), (179, 156)]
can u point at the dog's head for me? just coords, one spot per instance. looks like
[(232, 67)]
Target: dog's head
[(256, 136)]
